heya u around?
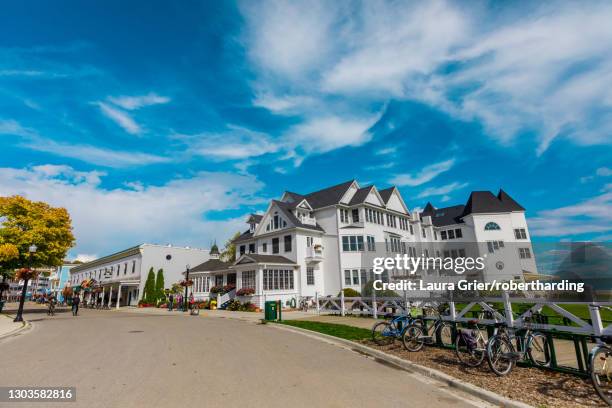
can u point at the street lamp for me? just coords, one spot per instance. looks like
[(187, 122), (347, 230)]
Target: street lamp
[(31, 250), (186, 288)]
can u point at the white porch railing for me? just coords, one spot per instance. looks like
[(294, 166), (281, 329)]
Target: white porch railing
[(226, 297), (376, 306)]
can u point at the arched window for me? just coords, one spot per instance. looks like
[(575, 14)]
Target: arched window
[(492, 226)]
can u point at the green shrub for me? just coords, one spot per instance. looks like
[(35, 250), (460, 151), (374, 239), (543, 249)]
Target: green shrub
[(349, 292), (234, 305)]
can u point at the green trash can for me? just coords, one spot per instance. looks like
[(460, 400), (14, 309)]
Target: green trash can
[(271, 310)]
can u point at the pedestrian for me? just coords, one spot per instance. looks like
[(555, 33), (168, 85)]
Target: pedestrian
[(170, 302), (75, 304), (179, 301)]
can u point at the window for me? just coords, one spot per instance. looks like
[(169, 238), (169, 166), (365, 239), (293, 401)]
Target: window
[(355, 214), (242, 249), (278, 279), (248, 279), (218, 280), (275, 246), (524, 253), (443, 235), (133, 267), (355, 277), (118, 268), (520, 233), (344, 216), (424, 233), (347, 277), (371, 243), (451, 234), (461, 253), (309, 241), (436, 235), (458, 233), (287, 243), (251, 248), (310, 275), (494, 245), (394, 245), (491, 226), (125, 268), (364, 276), (264, 247), (352, 243), (411, 229)]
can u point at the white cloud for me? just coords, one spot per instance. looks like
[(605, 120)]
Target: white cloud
[(120, 117), (12, 127), (107, 220), (442, 190), (590, 216), (235, 143), (137, 102), (545, 71), (286, 104), (325, 133), (94, 155), (426, 174)]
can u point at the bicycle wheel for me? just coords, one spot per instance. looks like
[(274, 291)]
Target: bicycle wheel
[(445, 333), (412, 338), (538, 350), (382, 333), (500, 355), (601, 373), (470, 356)]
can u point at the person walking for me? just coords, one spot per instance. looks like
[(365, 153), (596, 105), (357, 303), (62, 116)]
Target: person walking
[(75, 304), (170, 302)]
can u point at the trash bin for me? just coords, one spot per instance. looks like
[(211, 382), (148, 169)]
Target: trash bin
[(271, 310), (1, 305)]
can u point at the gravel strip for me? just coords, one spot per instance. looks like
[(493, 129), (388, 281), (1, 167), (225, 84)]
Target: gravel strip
[(537, 387)]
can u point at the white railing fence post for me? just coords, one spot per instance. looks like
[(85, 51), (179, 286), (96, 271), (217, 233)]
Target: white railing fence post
[(342, 313), (318, 305), (453, 310), (374, 304), (596, 320), (508, 309)]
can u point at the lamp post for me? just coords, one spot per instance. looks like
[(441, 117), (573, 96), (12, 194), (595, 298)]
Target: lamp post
[(186, 302), (19, 318)]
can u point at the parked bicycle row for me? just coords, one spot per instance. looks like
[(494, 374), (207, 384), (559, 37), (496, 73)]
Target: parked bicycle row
[(502, 350)]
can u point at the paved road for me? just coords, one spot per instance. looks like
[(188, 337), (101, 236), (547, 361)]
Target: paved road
[(122, 359)]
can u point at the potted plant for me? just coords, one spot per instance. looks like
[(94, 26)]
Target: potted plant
[(245, 292)]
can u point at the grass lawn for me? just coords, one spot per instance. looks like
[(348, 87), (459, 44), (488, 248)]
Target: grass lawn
[(332, 329)]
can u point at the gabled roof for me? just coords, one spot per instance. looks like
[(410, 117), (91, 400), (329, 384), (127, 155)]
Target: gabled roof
[(245, 236), (286, 210), (360, 195), (484, 202), (260, 258), (256, 218), (328, 196), (441, 217), (211, 265), (508, 201), (386, 194)]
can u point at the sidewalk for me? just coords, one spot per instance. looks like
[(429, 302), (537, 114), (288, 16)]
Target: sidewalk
[(7, 326)]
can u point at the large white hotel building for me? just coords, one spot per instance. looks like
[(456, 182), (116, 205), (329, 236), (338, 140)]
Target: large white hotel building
[(322, 242)]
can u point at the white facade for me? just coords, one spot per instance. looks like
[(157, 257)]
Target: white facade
[(125, 272), (327, 240)]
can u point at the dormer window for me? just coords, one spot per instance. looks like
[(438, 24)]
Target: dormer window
[(276, 223), (252, 227)]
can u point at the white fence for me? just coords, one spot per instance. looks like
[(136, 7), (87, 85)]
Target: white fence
[(376, 306)]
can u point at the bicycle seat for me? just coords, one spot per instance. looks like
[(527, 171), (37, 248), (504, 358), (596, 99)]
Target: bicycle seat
[(472, 322), (499, 324)]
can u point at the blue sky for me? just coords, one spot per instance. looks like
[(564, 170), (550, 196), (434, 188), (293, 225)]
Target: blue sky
[(159, 122)]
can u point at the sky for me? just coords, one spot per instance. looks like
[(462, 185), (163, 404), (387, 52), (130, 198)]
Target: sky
[(169, 122)]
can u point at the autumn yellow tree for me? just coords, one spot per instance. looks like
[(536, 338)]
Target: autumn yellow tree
[(24, 223)]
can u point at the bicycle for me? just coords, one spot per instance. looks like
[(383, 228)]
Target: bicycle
[(470, 345), (418, 334), (502, 355), (51, 309), (384, 333), (600, 368)]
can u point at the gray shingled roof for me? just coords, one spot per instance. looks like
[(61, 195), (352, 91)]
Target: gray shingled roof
[(386, 194), (211, 265), (327, 196), (508, 201), (441, 217), (286, 209), (360, 195)]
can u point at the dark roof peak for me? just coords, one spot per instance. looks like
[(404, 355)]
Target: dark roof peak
[(386, 193), (508, 201)]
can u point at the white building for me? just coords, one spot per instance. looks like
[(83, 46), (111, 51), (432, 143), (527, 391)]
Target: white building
[(122, 275), (324, 241)]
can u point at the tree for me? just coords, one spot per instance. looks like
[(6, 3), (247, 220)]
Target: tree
[(26, 223), (8, 253), (229, 252), (149, 289), (159, 286)]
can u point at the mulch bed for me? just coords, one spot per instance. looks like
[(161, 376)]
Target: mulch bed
[(536, 387)]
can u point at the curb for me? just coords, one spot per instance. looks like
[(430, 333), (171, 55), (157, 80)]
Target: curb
[(409, 366), (25, 325)]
